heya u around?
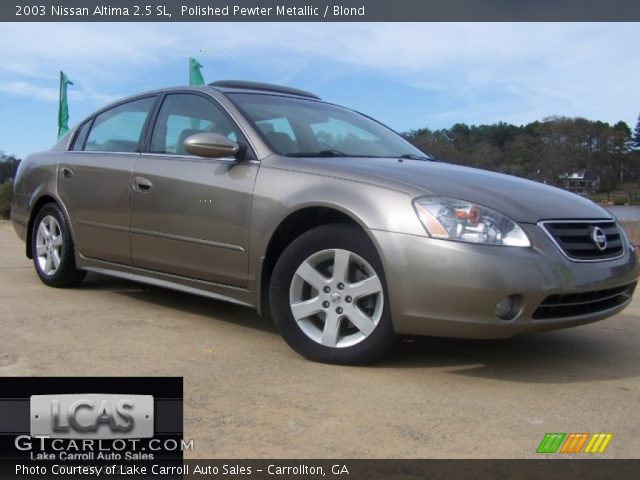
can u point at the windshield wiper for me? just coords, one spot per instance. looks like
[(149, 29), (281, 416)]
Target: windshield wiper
[(412, 156), (321, 153)]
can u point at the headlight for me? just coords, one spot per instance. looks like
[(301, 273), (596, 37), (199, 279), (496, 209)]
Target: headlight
[(452, 219)]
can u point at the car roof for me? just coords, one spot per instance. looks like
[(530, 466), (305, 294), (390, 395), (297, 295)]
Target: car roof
[(222, 86), (232, 86), (236, 86)]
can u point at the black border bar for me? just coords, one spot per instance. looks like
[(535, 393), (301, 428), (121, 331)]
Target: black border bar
[(307, 469), (320, 11)]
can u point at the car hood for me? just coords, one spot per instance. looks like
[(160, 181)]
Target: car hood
[(521, 200)]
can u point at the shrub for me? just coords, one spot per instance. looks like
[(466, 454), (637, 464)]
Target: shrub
[(620, 199), (5, 198)]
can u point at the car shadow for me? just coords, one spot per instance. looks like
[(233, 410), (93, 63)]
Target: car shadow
[(581, 354), (193, 304)]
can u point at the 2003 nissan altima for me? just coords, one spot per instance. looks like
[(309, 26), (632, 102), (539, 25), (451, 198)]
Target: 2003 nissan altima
[(348, 235)]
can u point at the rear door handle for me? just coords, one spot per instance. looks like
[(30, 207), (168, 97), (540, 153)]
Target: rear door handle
[(66, 172), (141, 184)]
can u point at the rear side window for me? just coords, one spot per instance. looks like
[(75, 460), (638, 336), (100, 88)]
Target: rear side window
[(183, 115), (119, 128), (81, 137)]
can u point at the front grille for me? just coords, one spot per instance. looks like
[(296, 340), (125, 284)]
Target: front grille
[(584, 303), (576, 240)]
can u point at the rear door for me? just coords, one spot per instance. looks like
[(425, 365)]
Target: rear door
[(190, 216), (94, 180)]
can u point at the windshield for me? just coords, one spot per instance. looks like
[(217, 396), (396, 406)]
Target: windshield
[(298, 127)]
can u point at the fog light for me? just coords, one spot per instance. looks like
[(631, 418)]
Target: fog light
[(509, 307)]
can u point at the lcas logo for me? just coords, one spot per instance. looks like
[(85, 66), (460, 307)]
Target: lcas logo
[(98, 416)]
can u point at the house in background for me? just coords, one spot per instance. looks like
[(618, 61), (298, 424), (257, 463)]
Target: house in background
[(582, 182)]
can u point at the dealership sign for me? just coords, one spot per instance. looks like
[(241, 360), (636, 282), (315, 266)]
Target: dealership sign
[(92, 416)]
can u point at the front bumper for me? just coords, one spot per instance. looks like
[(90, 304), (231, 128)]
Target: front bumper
[(450, 289)]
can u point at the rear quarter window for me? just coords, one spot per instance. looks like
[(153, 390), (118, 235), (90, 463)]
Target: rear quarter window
[(81, 136)]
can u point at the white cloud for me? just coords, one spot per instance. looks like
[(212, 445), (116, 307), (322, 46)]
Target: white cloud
[(27, 89), (50, 94), (514, 72)]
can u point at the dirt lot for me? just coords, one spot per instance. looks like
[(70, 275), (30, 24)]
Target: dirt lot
[(248, 395)]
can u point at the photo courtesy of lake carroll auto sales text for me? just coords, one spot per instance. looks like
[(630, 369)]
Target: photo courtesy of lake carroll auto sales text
[(355, 239)]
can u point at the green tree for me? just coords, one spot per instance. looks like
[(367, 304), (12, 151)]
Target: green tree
[(542, 150), (5, 198), (8, 167)]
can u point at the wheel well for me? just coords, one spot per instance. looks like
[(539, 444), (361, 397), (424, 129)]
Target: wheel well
[(41, 202), (289, 229)]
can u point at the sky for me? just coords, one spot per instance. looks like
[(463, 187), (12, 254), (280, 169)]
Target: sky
[(407, 75)]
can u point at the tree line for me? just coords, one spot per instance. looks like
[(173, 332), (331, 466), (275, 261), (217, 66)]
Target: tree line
[(542, 150), (8, 167)]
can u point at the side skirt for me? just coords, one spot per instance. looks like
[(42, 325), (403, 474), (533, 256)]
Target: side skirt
[(203, 288)]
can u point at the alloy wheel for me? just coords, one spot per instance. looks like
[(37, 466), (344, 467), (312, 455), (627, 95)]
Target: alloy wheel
[(336, 298), (49, 245)]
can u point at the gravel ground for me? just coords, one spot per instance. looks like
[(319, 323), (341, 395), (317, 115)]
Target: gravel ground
[(247, 395)]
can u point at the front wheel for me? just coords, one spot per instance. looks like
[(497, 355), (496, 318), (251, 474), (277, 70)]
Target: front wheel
[(52, 248), (328, 297)]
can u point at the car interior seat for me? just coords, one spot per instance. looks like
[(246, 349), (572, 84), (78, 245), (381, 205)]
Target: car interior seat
[(281, 142)]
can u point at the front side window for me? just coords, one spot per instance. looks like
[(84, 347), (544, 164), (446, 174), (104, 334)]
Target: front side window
[(119, 128), (183, 115), (279, 133), (297, 127)]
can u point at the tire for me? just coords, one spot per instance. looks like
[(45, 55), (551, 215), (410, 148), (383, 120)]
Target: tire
[(333, 316), (52, 249)]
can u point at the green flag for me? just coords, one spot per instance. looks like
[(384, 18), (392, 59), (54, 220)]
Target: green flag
[(63, 107), (195, 76)]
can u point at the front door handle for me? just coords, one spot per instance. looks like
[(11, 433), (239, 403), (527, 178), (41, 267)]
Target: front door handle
[(141, 184)]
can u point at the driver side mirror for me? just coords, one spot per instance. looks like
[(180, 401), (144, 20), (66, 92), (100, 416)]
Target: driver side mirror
[(212, 145)]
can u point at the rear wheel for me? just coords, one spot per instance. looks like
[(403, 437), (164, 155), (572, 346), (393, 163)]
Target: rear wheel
[(328, 297), (52, 248)]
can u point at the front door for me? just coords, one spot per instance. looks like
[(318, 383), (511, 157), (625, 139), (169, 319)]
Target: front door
[(190, 216)]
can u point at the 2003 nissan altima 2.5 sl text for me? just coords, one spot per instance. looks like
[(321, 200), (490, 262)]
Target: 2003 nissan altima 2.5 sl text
[(335, 225)]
